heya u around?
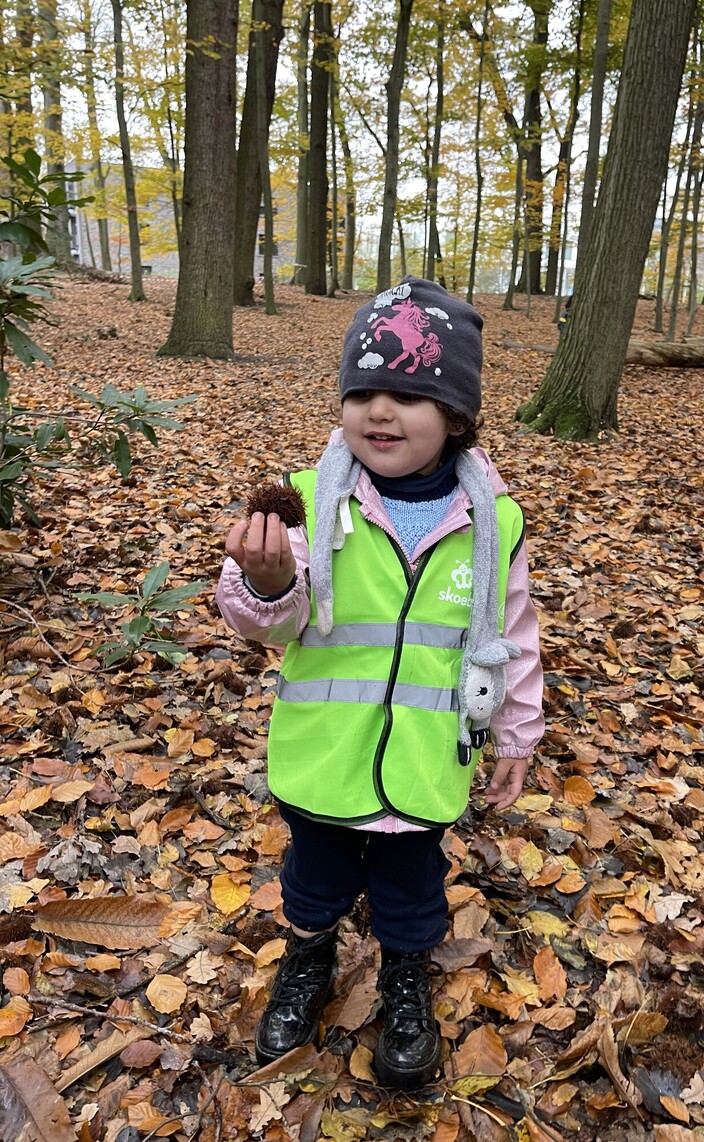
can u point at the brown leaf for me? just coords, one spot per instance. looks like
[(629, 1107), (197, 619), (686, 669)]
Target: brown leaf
[(482, 1053), (140, 1054), (578, 791), (107, 1049), (549, 974), (31, 1110), (670, 1133), (16, 981), (353, 1010), (166, 993), (122, 922), (14, 1016), (452, 955)]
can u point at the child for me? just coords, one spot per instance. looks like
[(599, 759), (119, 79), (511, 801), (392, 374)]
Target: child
[(390, 602), (564, 316)]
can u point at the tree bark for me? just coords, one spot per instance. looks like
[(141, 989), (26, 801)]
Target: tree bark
[(478, 156), (591, 170), (58, 235), (533, 131), (323, 47), (578, 396), (563, 176), (94, 139), (137, 290), (300, 270), (394, 87), (350, 197), (434, 254), (248, 194), (263, 118), (202, 322), (22, 77)]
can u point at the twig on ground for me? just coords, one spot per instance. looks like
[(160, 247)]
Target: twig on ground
[(51, 1002)]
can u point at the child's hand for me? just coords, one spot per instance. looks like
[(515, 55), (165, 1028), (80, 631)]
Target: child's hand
[(266, 557), (507, 781)]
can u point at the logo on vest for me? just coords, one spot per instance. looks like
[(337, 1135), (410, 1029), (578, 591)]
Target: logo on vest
[(461, 589)]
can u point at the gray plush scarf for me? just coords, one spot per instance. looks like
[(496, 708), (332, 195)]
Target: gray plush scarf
[(482, 685)]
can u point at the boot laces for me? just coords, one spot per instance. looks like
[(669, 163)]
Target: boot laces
[(406, 984), (299, 978)]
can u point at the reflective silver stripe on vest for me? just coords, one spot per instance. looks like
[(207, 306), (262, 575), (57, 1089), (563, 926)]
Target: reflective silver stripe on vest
[(384, 634), (368, 692)]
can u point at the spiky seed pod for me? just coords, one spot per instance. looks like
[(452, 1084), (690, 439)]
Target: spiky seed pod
[(287, 502)]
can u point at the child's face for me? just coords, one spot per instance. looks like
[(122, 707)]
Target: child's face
[(394, 434)]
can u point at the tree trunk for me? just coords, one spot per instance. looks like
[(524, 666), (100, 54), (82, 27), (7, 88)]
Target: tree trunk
[(434, 256), (478, 157), (517, 228), (334, 223), (578, 396), (350, 197), (694, 153), (22, 78), (591, 171), (248, 195), (394, 86), (263, 118), (58, 235), (668, 218), (323, 47), (300, 270), (94, 139), (137, 290), (202, 322), (533, 131), (562, 175)]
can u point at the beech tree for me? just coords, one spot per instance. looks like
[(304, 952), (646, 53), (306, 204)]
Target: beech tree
[(137, 290), (394, 87), (248, 196), (202, 321), (578, 396), (323, 51)]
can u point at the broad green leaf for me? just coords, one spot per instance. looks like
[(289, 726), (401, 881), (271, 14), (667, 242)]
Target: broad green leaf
[(108, 598), (173, 599), (155, 578), (122, 454), (136, 628), (23, 347), (9, 472)]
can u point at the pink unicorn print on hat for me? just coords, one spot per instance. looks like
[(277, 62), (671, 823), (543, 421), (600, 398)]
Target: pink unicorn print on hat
[(409, 324)]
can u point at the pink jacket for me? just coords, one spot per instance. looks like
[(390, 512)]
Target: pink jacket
[(519, 725)]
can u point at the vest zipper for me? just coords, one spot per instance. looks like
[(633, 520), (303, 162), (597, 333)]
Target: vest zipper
[(413, 580)]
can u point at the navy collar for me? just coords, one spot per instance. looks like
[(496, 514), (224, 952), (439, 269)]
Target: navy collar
[(417, 488)]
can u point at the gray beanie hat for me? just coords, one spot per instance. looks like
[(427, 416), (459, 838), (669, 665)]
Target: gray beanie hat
[(416, 338)]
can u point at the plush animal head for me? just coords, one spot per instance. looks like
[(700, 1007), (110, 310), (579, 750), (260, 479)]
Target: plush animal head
[(480, 693)]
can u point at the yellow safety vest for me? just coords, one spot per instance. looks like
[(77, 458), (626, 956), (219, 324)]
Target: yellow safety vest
[(365, 721)]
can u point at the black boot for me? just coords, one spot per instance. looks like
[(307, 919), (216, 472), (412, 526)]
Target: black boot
[(408, 1051), (298, 996)]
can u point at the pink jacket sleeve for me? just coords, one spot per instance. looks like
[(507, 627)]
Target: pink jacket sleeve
[(276, 622), (519, 725)]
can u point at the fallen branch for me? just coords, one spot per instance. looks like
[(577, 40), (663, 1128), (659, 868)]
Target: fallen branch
[(656, 354)]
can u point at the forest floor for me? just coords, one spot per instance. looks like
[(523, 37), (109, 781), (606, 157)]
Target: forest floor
[(572, 995)]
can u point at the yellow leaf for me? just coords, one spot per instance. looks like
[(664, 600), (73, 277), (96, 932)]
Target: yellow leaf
[(534, 802), (530, 861), (227, 896), (546, 924), (180, 742), (166, 993), (360, 1064), (679, 668), (270, 952), (474, 1084), (14, 1015)]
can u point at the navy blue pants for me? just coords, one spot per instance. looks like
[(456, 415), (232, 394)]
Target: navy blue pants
[(328, 866)]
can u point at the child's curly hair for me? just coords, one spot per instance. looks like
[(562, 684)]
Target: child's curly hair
[(469, 434)]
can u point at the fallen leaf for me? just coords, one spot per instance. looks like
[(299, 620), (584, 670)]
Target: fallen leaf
[(166, 993), (31, 1109), (227, 896), (14, 1015), (122, 922)]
